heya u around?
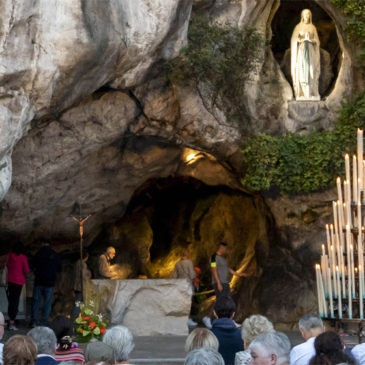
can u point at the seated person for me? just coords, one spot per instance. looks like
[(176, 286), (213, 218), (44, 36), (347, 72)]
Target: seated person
[(201, 338), (330, 350), (204, 356), (99, 351), (224, 328), (68, 351), (252, 327), (270, 348), (120, 339), (46, 342), (105, 270), (19, 350)]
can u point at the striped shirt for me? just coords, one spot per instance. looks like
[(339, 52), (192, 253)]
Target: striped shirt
[(76, 355)]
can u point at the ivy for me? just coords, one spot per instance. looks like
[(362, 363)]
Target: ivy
[(301, 164), (222, 58)]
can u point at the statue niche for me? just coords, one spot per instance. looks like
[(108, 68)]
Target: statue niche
[(305, 58)]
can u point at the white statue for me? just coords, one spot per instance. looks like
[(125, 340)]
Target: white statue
[(305, 58)]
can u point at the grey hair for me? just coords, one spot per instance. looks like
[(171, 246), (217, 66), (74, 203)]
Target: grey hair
[(45, 339), (309, 322), (276, 343), (120, 339), (204, 356), (253, 326), (201, 338)]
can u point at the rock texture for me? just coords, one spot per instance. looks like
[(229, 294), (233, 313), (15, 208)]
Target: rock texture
[(162, 306), (88, 119)]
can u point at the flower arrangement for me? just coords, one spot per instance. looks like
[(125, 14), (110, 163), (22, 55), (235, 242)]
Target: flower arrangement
[(88, 324)]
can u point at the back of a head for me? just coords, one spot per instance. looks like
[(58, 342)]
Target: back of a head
[(19, 350), (276, 343), (254, 326), (18, 248), (329, 349), (309, 322), (204, 356), (121, 340), (99, 351), (45, 339), (201, 338), (224, 307)]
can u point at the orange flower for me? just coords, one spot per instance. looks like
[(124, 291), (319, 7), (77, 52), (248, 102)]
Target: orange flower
[(102, 329), (92, 324), (80, 330), (86, 318)]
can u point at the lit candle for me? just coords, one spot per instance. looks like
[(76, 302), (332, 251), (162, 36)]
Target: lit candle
[(339, 294), (333, 271), (339, 190), (328, 239), (323, 299), (318, 293), (348, 206), (354, 179)]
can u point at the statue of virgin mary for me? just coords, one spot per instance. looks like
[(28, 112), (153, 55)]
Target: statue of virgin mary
[(305, 58)]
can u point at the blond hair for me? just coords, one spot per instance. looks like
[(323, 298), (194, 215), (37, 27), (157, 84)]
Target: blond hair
[(253, 326), (20, 350), (201, 338)]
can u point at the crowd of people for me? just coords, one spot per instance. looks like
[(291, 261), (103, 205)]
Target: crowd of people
[(221, 342)]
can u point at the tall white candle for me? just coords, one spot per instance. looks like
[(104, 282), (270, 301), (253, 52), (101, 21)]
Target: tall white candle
[(349, 285), (361, 292), (354, 179), (352, 271), (360, 156), (348, 206), (324, 304), (347, 167), (339, 189), (328, 239), (339, 293), (319, 296), (333, 271)]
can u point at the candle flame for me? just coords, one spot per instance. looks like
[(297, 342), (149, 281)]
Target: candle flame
[(351, 247), (326, 226), (336, 268), (347, 156), (322, 246), (339, 179), (347, 227), (331, 248)]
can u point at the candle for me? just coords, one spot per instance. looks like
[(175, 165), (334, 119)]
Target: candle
[(361, 294), (359, 182), (349, 285), (328, 239), (323, 299), (347, 167), (318, 293), (339, 190), (339, 294), (348, 206), (323, 250), (352, 271), (354, 179), (333, 271), (360, 156)]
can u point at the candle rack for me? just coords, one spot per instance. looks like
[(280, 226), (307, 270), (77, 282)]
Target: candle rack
[(340, 275)]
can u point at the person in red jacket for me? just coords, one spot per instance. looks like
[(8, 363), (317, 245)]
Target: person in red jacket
[(18, 268)]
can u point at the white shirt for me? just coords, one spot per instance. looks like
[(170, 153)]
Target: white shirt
[(303, 353), (358, 352), (1, 352)]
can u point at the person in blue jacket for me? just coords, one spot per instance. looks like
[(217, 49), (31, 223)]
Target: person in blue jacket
[(224, 328)]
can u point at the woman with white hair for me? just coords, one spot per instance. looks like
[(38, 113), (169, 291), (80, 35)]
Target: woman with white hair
[(270, 349), (201, 338), (120, 339), (252, 327), (204, 357)]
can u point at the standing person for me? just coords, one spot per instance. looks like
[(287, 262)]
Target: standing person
[(221, 271), (18, 268), (47, 266), (105, 270), (184, 269)]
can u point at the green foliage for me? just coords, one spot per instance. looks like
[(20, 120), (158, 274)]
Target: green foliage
[(355, 12), (221, 57), (305, 163)]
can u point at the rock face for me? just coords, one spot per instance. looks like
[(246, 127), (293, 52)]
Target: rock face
[(88, 119), (162, 306)]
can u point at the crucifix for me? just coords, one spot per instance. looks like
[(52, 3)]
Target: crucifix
[(81, 222)]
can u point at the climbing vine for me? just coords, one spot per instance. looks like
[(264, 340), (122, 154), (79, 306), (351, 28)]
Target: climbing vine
[(220, 60)]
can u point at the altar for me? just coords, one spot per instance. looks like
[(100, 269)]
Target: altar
[(147, 307)]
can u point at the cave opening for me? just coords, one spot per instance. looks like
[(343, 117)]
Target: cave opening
[(286, 18)]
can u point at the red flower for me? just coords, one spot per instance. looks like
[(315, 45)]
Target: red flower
[(92, 324), (102, 329), (86, 318)]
